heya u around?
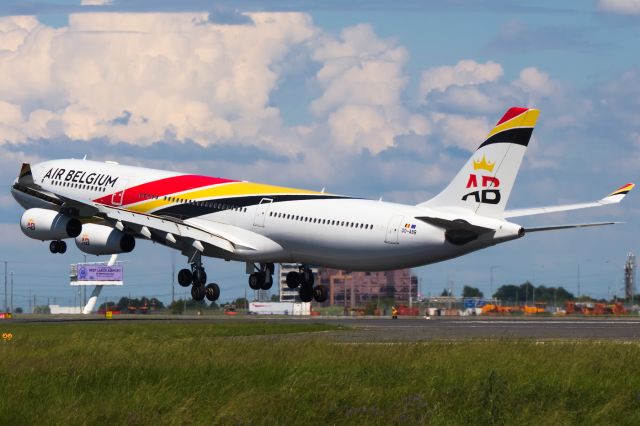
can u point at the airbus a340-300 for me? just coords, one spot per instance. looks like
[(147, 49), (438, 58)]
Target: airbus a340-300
[(106, 207)]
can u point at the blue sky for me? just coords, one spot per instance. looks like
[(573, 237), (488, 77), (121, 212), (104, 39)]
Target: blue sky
[(368, 99)]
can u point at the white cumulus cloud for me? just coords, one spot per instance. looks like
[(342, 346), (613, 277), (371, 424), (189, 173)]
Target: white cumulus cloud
[(621, 7), (465, 72), (171, 74), (96, 2)]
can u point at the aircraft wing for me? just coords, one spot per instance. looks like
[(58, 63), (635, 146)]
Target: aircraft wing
[(613, 198), (171, 231)]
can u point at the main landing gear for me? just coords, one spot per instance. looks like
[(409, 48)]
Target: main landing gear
[(196, 277), (304, 280), (262, 279)]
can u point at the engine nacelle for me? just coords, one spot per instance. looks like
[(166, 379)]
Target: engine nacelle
[(101, 239), (44, 224)]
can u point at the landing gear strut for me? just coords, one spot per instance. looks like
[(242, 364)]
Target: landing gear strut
[(197, 278)]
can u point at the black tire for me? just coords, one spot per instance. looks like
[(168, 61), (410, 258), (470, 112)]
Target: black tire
[(199, 277), (320, 293), (198, 293), (267, 285), (62, 247), (185, 277), (212, 292), (293, 280), (53, 246), (306, 293), (310, 281), (256, 280)]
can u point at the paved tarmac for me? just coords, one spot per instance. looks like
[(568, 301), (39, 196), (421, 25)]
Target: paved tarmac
[(407, 329)]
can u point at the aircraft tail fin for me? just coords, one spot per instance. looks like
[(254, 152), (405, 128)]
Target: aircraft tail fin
[(485, 182)]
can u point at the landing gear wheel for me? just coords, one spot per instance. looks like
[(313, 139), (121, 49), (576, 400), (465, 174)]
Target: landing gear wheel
[(256, 280), (185, 277), (198, 292), (267, 285), (320, 293), (212, 292), (199, 277), (62, 247), (293, 279), (53, 246), (307, 277), (306, 293)]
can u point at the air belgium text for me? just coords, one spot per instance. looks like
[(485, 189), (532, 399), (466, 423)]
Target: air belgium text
[(81, 176)]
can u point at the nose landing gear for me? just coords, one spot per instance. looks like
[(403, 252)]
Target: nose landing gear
[(58, 246)]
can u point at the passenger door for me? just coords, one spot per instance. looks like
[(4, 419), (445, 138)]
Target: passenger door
[(261, 212), (393, 229)]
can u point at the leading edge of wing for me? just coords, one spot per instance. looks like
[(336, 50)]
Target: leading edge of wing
[(613, 198)]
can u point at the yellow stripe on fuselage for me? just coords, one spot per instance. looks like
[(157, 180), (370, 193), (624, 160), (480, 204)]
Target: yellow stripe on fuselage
[(232, 189), (526, 119)]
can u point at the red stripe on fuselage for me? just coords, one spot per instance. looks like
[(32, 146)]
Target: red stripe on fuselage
[(164, 187)]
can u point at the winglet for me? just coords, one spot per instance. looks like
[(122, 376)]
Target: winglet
[(617, 195)]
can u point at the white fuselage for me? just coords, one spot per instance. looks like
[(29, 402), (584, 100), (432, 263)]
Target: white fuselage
[(340, 232)]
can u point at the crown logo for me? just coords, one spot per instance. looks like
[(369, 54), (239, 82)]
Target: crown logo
[(483, 164)]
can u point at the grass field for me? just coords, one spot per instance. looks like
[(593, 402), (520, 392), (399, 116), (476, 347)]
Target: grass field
[(265, 374)]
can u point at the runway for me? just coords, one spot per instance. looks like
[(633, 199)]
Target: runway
[(413, 329)]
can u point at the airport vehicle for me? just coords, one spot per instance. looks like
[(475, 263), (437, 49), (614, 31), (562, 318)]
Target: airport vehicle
[(106, 207)]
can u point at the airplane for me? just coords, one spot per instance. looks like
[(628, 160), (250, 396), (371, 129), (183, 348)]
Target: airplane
[(105, 207)]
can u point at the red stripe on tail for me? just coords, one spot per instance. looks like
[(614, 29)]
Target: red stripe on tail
[(511, 113)]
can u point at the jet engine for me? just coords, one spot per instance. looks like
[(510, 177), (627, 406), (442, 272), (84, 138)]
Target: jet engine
[(44, 224), (101, 239)]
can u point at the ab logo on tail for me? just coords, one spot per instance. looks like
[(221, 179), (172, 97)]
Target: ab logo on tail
[(479, 182)]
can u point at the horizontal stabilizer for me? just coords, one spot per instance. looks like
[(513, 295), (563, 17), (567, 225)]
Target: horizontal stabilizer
[(579, 225), (613, 198)]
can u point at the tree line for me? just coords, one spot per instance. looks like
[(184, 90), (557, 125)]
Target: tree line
[(520, 294)]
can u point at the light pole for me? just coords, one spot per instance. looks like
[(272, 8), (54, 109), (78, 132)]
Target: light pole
[(11, 303), (491, 268), (6, 308)]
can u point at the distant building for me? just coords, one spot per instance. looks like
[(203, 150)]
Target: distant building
[(357, 288), (57, 309)]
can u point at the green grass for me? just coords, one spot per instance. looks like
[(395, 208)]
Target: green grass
[(258, 373)]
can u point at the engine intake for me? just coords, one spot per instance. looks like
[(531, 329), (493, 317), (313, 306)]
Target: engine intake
[(100, 239), (44, 224)]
